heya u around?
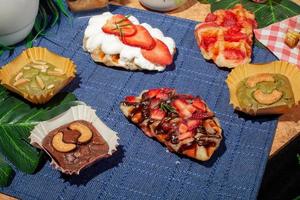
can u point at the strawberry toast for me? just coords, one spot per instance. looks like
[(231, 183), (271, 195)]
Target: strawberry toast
[(121, 41), (182, 122), (226, 36)]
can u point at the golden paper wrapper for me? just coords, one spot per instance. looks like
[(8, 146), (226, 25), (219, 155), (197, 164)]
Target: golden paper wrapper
[(241, 72), (37, 53)]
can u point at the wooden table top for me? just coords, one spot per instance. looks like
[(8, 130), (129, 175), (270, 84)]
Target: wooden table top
[(288, 125)]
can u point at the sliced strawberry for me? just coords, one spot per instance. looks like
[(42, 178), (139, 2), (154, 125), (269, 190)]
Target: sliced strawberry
[(152, 93), (160, 54), (185, 135), (235, 36), (191, 108), (157, 114), (208, 41), (130, 99), (182, 128), (166, 126), (181, 107), (230, 19), (235, 29), (141, 38), (119, 25), (162, 95), (154, 103), (211, 17), (192, 124), (201, 115), (197, 103)]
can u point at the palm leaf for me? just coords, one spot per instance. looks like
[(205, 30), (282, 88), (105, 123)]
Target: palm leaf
[(6, 173), (17, 119), (268, 13)]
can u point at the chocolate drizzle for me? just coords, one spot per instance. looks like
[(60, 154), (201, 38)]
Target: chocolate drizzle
[(180, 121)]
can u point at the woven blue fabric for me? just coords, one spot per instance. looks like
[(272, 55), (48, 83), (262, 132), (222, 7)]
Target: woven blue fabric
[(142, 168)]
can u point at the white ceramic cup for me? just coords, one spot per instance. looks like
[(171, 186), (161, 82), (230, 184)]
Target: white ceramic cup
[(162, 5), (16, 19)]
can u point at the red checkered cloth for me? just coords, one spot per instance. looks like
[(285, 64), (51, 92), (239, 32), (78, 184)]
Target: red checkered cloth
[(273, 38)]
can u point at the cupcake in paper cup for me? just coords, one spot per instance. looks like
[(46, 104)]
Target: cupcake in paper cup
[(75, 139), (261, 89), (37, 74)]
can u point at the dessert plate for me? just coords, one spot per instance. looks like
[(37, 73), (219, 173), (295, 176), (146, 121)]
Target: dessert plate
[(142, 168)]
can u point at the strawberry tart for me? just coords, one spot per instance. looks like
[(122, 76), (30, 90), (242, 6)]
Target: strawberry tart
[(182, 122), (226, 36), (121, 41)]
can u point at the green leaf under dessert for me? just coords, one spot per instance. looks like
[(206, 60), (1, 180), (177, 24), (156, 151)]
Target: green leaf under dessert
[(267, 13), (18, 118), (6, 173)]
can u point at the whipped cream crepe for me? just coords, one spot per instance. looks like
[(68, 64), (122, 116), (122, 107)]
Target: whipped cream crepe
[(121, 41)]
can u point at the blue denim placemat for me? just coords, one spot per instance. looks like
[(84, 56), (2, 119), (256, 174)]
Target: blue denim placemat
[(142, 168)]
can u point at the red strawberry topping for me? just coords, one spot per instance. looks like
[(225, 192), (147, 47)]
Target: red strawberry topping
[(119, 25), (181, 107), (162, 96), (183, 128), (208, 41), (130, 99), (152, 49), (160, 54), (230, 19), (152, 93), (234, 54), (201, 115), (179, 121), (154, 103), (199, 105), (141, 38), (234, 36), (192, 124), (211, 17), (157, 114)]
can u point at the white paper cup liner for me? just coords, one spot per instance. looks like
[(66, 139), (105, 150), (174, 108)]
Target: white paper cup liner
[(80, 112)]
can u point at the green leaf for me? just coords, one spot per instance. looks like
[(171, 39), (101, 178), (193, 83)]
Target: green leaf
[(18, 118), (297, 198), (61, 6), (53, 9), (6, 173), (298, 156), (268, 13), (167, 108)]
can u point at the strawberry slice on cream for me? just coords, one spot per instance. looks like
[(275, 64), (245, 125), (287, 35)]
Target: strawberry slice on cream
[(121, 41)]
